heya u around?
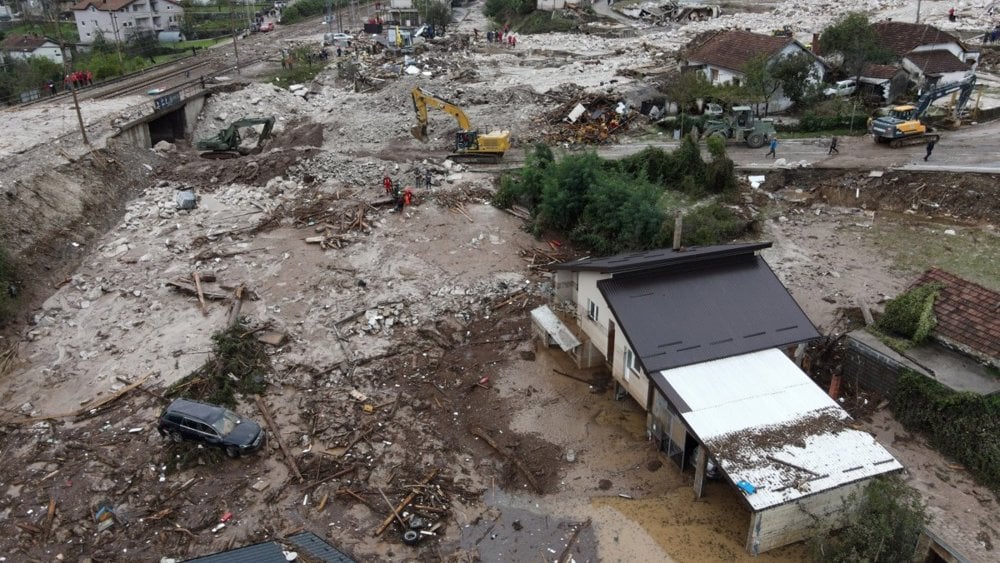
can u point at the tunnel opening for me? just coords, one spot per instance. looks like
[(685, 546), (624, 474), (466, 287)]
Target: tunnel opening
[(168, 127)]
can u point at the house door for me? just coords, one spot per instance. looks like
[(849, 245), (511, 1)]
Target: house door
[(610, 353)]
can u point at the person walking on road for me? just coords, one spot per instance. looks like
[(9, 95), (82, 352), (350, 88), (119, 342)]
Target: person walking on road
[(773, 153), (833, 146), (930, 149)]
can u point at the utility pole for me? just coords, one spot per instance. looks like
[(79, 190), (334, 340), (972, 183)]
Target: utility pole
[(232, 22), (72, 86), (918, 12)]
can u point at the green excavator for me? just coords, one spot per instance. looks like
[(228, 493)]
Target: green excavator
[(228, 142)]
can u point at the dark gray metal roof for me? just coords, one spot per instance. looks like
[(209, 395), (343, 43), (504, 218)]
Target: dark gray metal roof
[(314, 548), (685, 315), (661, 257)]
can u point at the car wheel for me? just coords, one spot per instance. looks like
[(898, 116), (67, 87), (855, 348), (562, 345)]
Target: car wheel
[(233, 452), (175, 437), (755, 141)]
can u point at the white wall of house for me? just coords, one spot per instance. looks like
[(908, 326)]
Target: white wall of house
[(118, 26), (778, 102), (48, 50), (588, 295), (401, 4)]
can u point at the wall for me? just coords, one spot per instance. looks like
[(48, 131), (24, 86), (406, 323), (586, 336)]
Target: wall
[(873, 365), (597, 331), (799, 520)]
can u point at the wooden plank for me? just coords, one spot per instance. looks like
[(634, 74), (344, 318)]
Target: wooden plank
[(98, 404), (277, 437), (201, 294)]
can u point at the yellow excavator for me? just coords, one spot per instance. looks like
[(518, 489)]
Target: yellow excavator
[(469, 143)]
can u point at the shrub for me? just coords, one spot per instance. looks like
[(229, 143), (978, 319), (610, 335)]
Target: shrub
[(884, 526), (239, 364), (963, 425), (911, 314)]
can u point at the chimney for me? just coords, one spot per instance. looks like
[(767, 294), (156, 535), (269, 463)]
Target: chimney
[(815, 44)]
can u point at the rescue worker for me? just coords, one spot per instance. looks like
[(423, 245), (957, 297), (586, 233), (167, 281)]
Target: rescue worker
[(387, 184)]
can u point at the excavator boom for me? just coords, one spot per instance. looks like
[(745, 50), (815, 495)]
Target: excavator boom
[(904, 127), (467, 141), (227, 143)]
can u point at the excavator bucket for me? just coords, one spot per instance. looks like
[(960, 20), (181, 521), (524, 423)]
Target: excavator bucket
[(419, 132)]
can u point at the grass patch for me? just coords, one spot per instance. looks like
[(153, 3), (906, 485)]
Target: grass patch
[(971, 253), (239, 364), (300, 67)]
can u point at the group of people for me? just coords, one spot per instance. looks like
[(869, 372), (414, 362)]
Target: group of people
[(501, 37), (993, 35), (401, 197), (773, 147)]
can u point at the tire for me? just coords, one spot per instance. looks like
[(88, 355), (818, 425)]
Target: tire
[(411, 537), (175, 436), (233, 452), (755, 140)]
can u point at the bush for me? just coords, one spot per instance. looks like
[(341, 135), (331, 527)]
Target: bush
[(911, 314), (811, 122), (303, 9), (628, 204), (884, 526), (503, 11), (965, 426), (544, 22)]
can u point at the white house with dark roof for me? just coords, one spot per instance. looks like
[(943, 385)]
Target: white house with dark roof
[(23, 47), (723, 57), (119, 20), (927, 53), (698, 338)]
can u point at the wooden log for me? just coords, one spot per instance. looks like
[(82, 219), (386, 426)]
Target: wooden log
[(97, 405), (201, 294), (190, 288), (277, 437), (336, 475), (406, 501), (479, 432), (564, 557), (395, 512), (235, 306), (571, 376)]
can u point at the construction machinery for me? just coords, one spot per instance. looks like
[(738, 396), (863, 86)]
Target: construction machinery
[(228, 143), (904, 126), (469, 143), (742, 125)]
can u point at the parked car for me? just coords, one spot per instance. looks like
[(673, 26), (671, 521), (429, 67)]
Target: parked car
[(337, 39), (842, 88), (211, 425), (266, 26)]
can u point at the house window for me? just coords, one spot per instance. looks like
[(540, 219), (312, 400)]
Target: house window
[(593, 311), (736, 82), (631, 365), (715, 75)]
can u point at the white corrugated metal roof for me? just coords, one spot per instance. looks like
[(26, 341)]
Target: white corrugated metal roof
[(555, 328), (768, 424)]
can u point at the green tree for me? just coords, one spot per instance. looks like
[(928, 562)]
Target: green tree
[(853, 40), (564, 193), (884, 526), (794, 73), (687, 89), (503, 11), (760, 83), (720, 174), (437, 14)]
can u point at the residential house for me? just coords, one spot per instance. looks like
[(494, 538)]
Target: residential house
[(725, 55), (119, 20), (697, 337), (926, 53), (23, 47), (962, 351), (883, 82)]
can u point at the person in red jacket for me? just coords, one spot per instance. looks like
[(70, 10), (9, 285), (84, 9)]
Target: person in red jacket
[(387, 184)]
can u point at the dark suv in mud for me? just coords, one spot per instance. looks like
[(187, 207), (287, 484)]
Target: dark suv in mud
[(211, 425)]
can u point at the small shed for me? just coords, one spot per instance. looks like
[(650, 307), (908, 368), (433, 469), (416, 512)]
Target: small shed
[(778, 438)]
